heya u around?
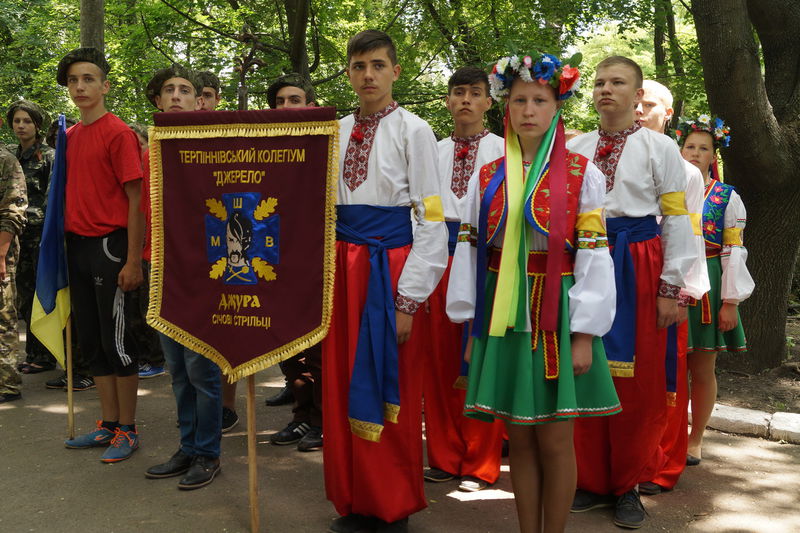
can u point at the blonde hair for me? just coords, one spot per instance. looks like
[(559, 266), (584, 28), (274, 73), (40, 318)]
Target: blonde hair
[(660, 91)]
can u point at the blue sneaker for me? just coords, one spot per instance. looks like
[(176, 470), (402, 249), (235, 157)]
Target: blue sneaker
[(101, 436), (121, 447), (146, 370)]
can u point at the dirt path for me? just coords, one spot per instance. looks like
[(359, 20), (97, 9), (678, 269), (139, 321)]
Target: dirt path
[(743, 484)]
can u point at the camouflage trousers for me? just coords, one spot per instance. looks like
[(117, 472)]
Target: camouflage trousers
[(10, 380)]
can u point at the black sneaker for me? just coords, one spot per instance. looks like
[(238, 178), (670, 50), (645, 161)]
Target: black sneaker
[(290, 434), (436, 475), (79, 383), (229, 419), (630, 511), (585, 501), (57, 383), (311, 441), (651, 489)]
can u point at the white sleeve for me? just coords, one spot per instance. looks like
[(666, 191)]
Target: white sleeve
[(696, 281), (593, 298), (461, 292), (737, 284), (428, 257), (676, 229)]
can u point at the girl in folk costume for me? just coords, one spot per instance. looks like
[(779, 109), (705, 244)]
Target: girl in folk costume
[(539, 285), (714, 323)]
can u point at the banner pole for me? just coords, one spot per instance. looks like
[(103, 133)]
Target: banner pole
[(251, 453), (70, 404)]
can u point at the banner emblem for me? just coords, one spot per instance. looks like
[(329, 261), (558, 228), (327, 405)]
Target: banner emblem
[(242, 236)]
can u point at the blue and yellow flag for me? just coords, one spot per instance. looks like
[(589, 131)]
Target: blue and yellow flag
[(51, 300)]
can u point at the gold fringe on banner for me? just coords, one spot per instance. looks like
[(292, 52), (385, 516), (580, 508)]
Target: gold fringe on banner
[(159, 133)]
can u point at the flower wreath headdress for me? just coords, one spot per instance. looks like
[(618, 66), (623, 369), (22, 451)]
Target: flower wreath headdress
[(547, 70), (718, 130)]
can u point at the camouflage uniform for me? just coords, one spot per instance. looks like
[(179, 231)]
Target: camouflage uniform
[(37, 162), (13, 202)]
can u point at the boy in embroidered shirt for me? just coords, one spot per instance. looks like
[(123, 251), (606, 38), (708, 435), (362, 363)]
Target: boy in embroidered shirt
[(458, 446), (104, 232), (373, 471), (654, 112), (644, 178)]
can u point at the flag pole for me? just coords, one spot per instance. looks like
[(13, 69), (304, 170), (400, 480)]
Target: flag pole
[(251, 453), (70, 393)]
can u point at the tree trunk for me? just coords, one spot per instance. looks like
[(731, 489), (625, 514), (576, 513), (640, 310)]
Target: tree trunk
[(297, 22), (764, 156), (771, 258), (659, 38), (92, 34)]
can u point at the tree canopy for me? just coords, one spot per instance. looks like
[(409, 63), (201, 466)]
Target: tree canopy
[(750, 72)]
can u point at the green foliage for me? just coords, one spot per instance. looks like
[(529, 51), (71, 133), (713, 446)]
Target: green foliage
[(433, 37)]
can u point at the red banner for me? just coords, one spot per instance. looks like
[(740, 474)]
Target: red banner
[(243, 232)]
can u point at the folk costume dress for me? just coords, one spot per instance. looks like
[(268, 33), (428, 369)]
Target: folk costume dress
[(524, 375), (645, 178), (670, 459), (372, 389), (724, 219), (455, 443)]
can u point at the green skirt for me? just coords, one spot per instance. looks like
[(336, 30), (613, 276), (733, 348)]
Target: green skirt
[(507, 379), (706, 337)]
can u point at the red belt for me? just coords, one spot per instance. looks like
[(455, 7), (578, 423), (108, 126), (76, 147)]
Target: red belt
[(537, 267)]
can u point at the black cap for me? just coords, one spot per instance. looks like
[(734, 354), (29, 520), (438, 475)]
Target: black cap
[(90, 55), (209, 79), (34, 111), (289, 80), (175, 71)]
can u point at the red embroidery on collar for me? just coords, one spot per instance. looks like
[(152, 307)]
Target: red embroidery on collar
[(609, 150), (465, 153), (359, 146)]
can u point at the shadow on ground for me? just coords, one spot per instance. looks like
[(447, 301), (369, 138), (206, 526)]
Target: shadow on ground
[(743, 484)]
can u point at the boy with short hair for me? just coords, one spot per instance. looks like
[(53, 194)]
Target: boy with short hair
[(644, 178), (654, 112), (458, 446), (104, 232), (290, 91), (209, 97), (385, 271), (195, 379), (303, 372)]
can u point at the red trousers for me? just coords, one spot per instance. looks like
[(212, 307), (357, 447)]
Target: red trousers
[(456, 444), (670, 459), (614, 452), (382, 479)]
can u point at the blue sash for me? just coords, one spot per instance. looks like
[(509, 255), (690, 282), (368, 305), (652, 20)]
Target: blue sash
[(672, 359), (620, 342), (494, 185), (452, 236), (374, 387)]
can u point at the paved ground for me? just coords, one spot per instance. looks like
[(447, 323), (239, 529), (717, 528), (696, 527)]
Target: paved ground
[(743, 485)]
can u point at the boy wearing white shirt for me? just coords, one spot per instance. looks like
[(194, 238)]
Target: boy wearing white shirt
[(654, 112), (385, 270), (645, 178), (458, 446)]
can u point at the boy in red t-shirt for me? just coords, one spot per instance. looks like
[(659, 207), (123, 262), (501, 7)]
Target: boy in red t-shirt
[(104, 232)]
